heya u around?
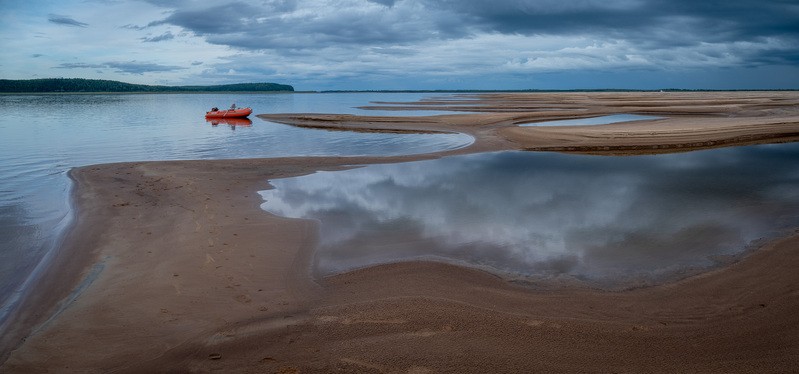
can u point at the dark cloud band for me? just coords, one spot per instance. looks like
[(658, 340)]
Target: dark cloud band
[(65, 21)]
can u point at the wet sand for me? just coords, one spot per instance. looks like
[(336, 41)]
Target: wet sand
[(172, 266)]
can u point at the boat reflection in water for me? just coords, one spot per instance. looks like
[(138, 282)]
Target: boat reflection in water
[(609, 220), (232, 122)]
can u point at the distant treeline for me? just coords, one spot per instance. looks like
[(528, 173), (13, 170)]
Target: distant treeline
[(99, 85)]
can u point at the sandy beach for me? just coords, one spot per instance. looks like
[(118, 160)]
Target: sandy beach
[(172, 266)]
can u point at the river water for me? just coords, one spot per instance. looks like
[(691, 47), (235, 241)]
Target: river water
[(43, 136)]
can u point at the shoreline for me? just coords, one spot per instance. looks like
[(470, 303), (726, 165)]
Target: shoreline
[(196, 277)]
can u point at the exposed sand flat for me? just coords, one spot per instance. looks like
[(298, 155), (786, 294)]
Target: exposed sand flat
[(656, 136), (178, 269), (691, 120)]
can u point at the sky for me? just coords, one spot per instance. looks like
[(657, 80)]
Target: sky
[(408, 44)]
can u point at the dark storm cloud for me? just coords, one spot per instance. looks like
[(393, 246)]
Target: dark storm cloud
[(774, 57), (515, 41), (65, 21), (695, 21), (131, 67), (285, 25), (236, 18), (651, 24)]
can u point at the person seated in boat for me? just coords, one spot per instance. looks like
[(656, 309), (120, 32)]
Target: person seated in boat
[(214, 109), (233, 106)]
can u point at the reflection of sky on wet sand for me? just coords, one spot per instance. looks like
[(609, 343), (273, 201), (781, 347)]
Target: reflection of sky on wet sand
[(600, 218), (603, 120)]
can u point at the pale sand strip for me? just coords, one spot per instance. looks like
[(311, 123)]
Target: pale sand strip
[(190, 275)]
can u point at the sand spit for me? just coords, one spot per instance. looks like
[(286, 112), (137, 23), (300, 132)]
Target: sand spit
[(180, 270)]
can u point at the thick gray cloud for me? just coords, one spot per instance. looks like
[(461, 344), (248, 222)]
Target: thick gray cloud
[(65, 21), (745, 32), (708, 21), (286, 26), (698, 21)]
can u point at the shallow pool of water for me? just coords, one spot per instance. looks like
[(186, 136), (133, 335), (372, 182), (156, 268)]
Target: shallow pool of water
[(602, 219), (602, 120)]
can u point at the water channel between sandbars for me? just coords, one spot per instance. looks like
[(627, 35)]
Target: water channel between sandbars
[(601, 120), (607, 220)]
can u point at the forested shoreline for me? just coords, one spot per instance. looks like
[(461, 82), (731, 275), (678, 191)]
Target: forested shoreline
[(47, 85)]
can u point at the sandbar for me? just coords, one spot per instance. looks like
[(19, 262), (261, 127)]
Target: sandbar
[(173, 266)]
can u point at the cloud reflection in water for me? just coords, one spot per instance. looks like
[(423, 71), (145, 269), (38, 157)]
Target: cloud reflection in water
[(596, 218)]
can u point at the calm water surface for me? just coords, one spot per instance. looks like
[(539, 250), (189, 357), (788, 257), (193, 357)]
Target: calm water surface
[(602, 219), (43, 136), (602, 120)]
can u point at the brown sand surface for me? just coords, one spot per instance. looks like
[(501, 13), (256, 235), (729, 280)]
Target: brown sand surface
[(172, 266), (691, 120)]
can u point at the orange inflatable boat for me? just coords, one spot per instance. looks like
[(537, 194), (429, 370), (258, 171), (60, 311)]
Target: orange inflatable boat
[(229, 113)]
